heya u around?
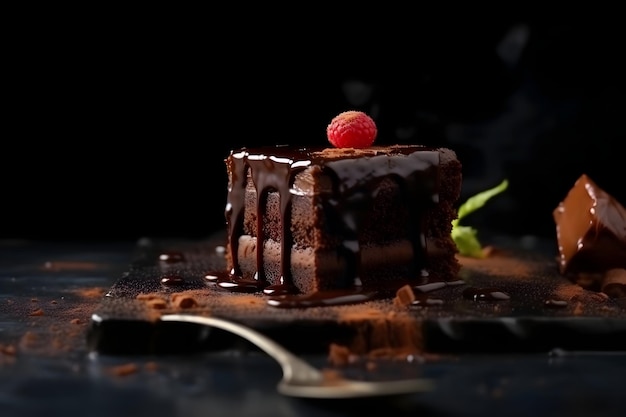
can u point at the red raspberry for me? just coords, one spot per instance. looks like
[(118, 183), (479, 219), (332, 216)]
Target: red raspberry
[(351, 129)]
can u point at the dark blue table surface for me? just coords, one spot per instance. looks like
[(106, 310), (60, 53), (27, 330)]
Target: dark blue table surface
[(48, 291)]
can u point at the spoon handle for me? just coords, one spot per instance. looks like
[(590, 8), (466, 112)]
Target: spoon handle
[(290, 364)]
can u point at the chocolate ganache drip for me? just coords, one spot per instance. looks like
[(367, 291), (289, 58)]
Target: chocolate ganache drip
[(355, 179), (268, 172)]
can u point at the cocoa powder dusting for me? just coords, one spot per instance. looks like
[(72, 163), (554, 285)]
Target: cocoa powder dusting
[(70, 266), (339, 355), (197, 299), (150, 296), (8, 350), (379, 333), (60, 327), (151, 366), (569, 292), (29, 340), (7, 354), (92, 292), (124, 370), (500, 263), (331, 375)]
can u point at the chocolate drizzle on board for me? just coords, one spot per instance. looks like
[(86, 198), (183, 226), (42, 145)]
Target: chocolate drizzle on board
[(354, 179)]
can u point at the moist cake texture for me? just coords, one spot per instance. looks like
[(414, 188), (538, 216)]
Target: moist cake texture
[(305, 220)]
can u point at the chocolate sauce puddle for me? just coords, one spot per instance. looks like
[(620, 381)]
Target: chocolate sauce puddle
[(172, 257), (485, 294), (323, 298), (243, 285), (432, 286), (288, 296), (553, 303), (425, 300), (280, 290), (236, 284), (172, 280)]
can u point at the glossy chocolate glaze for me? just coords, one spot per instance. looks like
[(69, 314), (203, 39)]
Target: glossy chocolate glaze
[(485, 294), (354, 178), (172, 280), (591, 230)]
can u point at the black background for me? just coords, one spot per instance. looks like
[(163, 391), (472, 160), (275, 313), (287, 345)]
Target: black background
[(117, 124)]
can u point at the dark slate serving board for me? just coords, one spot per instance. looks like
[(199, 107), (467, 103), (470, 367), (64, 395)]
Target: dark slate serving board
[(545, 310)]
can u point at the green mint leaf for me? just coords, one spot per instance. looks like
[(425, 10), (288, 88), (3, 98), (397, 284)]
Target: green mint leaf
[(477, 201), (466, 237), (467, 242)]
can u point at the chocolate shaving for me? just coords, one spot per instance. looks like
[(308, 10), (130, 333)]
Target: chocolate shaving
[(614, 283), (184, 301), (404, 296)]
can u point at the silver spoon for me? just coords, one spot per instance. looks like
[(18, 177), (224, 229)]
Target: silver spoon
[(301, 379)]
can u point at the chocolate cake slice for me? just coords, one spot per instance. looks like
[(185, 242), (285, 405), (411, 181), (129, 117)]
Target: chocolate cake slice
[(340, 218)]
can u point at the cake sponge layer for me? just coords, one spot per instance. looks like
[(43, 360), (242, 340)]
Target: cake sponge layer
[(381, 264), (331, 218)]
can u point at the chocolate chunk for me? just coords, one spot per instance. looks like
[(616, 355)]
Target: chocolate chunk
[(590, 229)]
